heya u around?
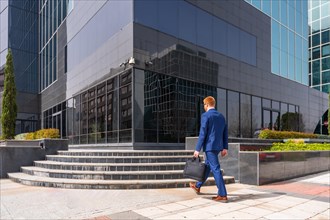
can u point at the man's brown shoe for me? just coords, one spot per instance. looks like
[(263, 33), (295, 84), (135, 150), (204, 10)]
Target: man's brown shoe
[(193, 186), (220, 198)]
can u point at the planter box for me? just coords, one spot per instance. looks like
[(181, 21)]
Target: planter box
[(250, 166), (230, 163), (258, 168), (15, 154)]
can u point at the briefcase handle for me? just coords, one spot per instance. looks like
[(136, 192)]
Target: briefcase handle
[(194, 158)]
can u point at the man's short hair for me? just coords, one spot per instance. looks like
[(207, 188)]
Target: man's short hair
[(210, 101)]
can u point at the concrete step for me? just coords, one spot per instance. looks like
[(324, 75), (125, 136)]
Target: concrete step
[(125, 153), (110, 169), (118, 159), (105, 184), (110, 166), (104, 175)]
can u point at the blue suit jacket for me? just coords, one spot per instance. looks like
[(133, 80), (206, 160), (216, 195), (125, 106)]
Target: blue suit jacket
[(213, 134)]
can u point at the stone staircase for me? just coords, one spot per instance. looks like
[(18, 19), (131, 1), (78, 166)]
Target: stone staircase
[(110, 169)]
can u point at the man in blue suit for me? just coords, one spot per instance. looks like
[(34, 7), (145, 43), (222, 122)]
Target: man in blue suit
[(213, 138)]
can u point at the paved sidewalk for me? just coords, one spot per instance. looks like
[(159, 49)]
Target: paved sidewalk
[(302, 198)]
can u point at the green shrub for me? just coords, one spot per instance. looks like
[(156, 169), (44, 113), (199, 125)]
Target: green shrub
[(43, 133), (30, 136), (48, 133), (298, 146), (271, 134), (21, 136)]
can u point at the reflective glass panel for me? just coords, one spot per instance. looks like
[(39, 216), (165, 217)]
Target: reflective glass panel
[(233, 114), (256, 114), (266, 7), (276, 10), (222, 101), (256, 3), (325, 50), (291, 17), (316, 40), (275, 60), (316, 78), (326, 77), (316, 53), (326, 63), (245, 108), (326, 89), (325, 37), (284, 15), (325, 23)]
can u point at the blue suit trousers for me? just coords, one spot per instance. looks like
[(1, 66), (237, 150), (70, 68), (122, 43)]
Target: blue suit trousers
[(212, 164)]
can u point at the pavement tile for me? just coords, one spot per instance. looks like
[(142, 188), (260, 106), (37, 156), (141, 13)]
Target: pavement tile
[(169, 217), (320, 217), (196, 214), (245, 202), (222, 208), (171, 207), (320, 179), (297, 213), (267, 197), (195, 202), (323, 215), (249, 192), (295, 200), (100, 218), (299, 188), (235, 215), (126, 215), (250, 202), (279, 215), (272, 207), (151, 212), (257, 212), (286, 201), (313, 207)]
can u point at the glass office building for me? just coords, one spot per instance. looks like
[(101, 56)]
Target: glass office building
[(319, 45), (19, 29), (134, 73), (289, 29)]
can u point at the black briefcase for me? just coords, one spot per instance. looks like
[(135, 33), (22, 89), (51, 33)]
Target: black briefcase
[(195, 169)]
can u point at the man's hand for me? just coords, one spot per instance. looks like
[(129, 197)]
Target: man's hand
[(196, 153), (224, 152)]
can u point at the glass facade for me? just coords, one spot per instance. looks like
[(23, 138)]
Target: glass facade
[(109, 20), (19, 20), (19, 32), (51, 14), (289, 37), (163, 103), (166, 110), (192, 24), (319, 45), (101, 114)]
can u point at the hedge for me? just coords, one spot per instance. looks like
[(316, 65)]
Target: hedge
[(43, 133), (299, 146), (271, 134)]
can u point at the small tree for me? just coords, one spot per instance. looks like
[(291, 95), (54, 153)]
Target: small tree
[(9, 106)]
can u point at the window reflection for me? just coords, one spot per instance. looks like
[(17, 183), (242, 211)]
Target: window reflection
[(166, 110), (194, 25), (245, 115), (256, 114), (172, 108), (233, 114)]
